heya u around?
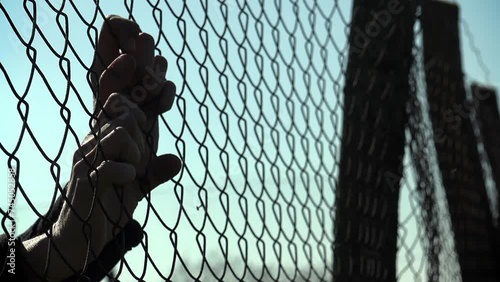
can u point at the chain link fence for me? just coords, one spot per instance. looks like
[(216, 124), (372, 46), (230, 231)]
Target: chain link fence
[(271, 98)]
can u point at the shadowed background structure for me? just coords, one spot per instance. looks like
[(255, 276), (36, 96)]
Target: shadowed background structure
[(311, 134)]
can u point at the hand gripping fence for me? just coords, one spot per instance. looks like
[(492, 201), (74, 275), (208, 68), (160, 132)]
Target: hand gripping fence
[(316, 140)]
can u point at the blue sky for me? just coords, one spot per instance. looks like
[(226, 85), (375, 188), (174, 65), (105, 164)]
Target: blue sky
[(244, 85), (482, 21)]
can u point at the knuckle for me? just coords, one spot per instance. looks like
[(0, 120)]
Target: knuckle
[(114, 97), (104, 165), (111, 17), (78, 167), (83, 168), (114, 102), (121, 135), (148, 39), (120, 132), (78, 155), (82, 151), (117, 104)]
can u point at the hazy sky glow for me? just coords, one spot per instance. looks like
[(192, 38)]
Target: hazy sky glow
[(279, 155)]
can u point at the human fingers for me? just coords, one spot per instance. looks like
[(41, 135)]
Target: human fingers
[(116, 77), (160, 65), (151, 84), (119, 111), (111, 173), (144, 54), (161, 103), (116, 34), (118, 106), (157, 75), (163, 168), (123, 112), (117, 145)]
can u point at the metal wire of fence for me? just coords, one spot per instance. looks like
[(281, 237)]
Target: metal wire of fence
[(257, 122)]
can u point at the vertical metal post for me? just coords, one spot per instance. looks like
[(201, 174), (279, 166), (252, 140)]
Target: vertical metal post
[(455, 142), (488, 120), (373, 140)]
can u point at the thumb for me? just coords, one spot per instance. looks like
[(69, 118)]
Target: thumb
[(163, 168)]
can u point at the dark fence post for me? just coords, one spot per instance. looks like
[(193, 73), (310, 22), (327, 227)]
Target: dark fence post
[(455, 142), (488, 119), (373, 140)]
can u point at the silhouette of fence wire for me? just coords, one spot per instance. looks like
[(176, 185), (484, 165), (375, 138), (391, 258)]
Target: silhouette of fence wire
[(257, 121)]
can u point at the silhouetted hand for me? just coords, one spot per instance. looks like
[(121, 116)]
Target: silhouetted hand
[(117, 164)]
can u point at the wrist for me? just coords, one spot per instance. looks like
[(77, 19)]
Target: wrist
[(74, 228), (55, 257)]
